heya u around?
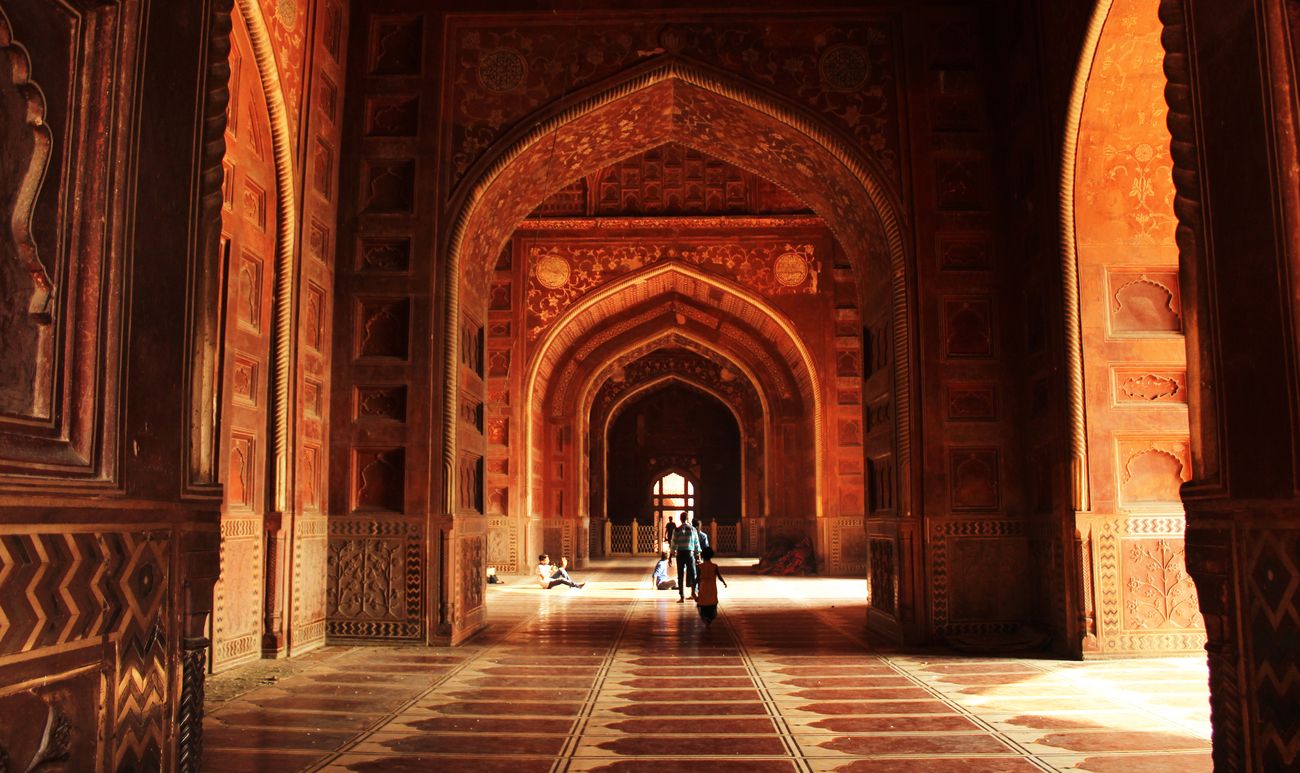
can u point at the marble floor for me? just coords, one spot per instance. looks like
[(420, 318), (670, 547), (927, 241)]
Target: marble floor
[(618, 677)]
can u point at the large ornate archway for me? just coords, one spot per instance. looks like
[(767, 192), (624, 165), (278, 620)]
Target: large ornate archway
[(662, 101)]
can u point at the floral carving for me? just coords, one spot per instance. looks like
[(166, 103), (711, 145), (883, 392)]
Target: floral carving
[(1159, 592), (368, 579), (845, 70), (1150, 386), (563, 273)]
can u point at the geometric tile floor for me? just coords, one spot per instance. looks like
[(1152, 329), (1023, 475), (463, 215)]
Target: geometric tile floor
[(618, 677)]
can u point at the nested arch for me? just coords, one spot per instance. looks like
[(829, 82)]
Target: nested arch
[(749, 403), (601, 425), (736, 322), (671, 100)]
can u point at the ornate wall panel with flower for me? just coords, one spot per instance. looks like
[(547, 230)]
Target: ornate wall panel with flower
[(1133, 351)]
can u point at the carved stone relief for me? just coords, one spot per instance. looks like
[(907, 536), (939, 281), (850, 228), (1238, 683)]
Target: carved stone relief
[(381, 402), (377, 254), (1146, 386), (375, 582), (972, 402)]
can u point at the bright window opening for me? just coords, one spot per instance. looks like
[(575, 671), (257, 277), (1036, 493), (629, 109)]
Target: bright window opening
[(673, 495)]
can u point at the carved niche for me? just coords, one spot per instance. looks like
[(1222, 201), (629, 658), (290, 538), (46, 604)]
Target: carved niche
[(389, 187), (470, 483), (318, 241), (392, 115), (1152, 470), (243, 380), (25, 145), (395, 45), (379, 479), (1144, 302), (968, 327), (313, 398), (383, 328), (974, 478), (881, 582)]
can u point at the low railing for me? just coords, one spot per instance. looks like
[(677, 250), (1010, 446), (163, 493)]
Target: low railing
[(644, 539)]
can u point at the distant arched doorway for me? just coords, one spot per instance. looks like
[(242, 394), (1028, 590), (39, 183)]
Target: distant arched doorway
[(672, 495), (670, 449)]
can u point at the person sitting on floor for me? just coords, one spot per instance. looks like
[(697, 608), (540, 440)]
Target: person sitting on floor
[(660, 578), (549, 576)]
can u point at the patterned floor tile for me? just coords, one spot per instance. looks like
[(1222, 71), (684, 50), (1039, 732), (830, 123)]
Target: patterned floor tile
[(620, 679)]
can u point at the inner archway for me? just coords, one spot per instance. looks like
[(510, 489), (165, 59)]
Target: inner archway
[(673, 448)]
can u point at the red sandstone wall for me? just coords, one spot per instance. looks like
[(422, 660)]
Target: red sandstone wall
[(271, 599), (1138, 595), (108, 482), (248, 225), (297, 608)]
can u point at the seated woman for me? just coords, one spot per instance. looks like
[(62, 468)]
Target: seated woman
[(660, 578), (549, 576)]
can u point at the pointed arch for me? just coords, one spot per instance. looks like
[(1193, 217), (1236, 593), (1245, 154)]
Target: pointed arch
[(659, 383), (559, 336), (672, 99), (686, 339), (285, 233)]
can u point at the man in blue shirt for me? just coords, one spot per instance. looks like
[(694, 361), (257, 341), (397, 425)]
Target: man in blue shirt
[(660, 579), (687, 545), (702, 534)]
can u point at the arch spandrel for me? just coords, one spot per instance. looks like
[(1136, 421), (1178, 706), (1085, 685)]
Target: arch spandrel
[(683, 102)]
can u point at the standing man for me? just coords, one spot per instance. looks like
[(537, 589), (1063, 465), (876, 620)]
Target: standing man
[(687, 546), (702, 534), (703, 537), (669, 528)]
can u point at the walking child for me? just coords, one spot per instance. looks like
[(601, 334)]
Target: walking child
[(709, 576)]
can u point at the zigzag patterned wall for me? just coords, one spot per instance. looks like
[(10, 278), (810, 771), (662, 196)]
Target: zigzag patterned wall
[(57, 589)]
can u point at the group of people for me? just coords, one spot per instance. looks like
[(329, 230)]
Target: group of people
[(694, 559), (693, 556)]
